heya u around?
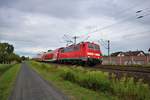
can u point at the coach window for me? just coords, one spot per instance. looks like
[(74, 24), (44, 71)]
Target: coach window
[(71, 49), (68, 49), (62, 51), (76, 48)]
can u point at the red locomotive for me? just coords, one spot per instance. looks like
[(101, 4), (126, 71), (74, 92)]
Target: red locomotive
[(82, 53)]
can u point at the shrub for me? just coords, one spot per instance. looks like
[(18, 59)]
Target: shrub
[(67, 74), (95, 80)]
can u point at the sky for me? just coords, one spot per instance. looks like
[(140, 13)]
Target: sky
[(34, 26)]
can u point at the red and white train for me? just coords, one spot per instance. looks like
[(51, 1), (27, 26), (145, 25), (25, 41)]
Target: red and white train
[(82, 53)]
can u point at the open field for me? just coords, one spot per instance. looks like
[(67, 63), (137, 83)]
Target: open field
[(74, 91), (7, 79), (84, 84), (135, 71)]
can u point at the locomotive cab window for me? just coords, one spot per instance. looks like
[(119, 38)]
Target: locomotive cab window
[(90, 46), (93, 46), (97, 47)]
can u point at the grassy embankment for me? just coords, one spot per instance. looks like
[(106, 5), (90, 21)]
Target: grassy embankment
[(81, 84), (8, 75), (4, 67)]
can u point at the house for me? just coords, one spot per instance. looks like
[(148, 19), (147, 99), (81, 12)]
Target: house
[(117, 54), (129, 53), (127, 58), (134, 53)]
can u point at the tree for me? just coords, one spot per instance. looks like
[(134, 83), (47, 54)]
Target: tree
[(6, 53), (49, 50), (23, 58)]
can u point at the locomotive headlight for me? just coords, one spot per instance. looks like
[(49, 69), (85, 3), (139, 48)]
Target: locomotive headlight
[(89, 53), (97, 54)]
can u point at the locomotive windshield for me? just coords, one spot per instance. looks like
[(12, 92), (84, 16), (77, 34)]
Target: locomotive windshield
[(93, 46)]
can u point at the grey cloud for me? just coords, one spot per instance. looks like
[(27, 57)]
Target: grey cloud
[(41, 24), (56, 8)]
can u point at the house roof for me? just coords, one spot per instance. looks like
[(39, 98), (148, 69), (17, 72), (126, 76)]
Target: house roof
[(133, 53), (116, 53), (147, 54), (129, 53)]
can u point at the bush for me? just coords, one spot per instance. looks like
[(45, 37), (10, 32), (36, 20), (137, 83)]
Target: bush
[(125, 88), (99, 80), (95, 80), (67, 74)]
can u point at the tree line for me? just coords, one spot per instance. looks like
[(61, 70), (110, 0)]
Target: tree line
[(7, 54)]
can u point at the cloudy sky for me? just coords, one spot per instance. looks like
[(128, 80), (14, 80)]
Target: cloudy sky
[(34, 26)]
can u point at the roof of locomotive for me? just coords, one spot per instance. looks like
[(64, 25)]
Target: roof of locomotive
[(80, 43)]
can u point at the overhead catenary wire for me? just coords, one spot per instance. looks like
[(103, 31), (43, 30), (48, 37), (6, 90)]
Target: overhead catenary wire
[(119, 22), (141, 16)]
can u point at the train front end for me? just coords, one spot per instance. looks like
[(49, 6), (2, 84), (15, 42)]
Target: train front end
[(93, 53)]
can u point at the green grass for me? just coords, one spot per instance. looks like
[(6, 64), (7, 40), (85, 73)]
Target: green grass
[(7, 80), (72, 90), (4, 67), (80, 83), (127, 88), (95, 80)]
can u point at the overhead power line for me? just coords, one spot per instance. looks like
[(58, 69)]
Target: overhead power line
[(141, 16), (123, 20), (117, 23)]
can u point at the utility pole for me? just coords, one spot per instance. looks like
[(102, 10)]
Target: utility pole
[(106, 45), (148, 57), (75, 39), (108, 48), (109, 51)]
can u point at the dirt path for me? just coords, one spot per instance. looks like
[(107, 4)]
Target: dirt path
[(30, 86)]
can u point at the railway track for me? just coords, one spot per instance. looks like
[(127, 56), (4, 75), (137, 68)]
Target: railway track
[(125, 68), (135, 72), (129, 71), (115, 68), (120, 71)]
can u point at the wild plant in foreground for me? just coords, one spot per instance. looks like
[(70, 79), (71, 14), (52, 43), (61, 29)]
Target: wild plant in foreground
[(127, 88)]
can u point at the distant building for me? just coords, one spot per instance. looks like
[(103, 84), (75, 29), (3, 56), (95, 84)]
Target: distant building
[(129, 53), (117, 54), (126, 58)]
